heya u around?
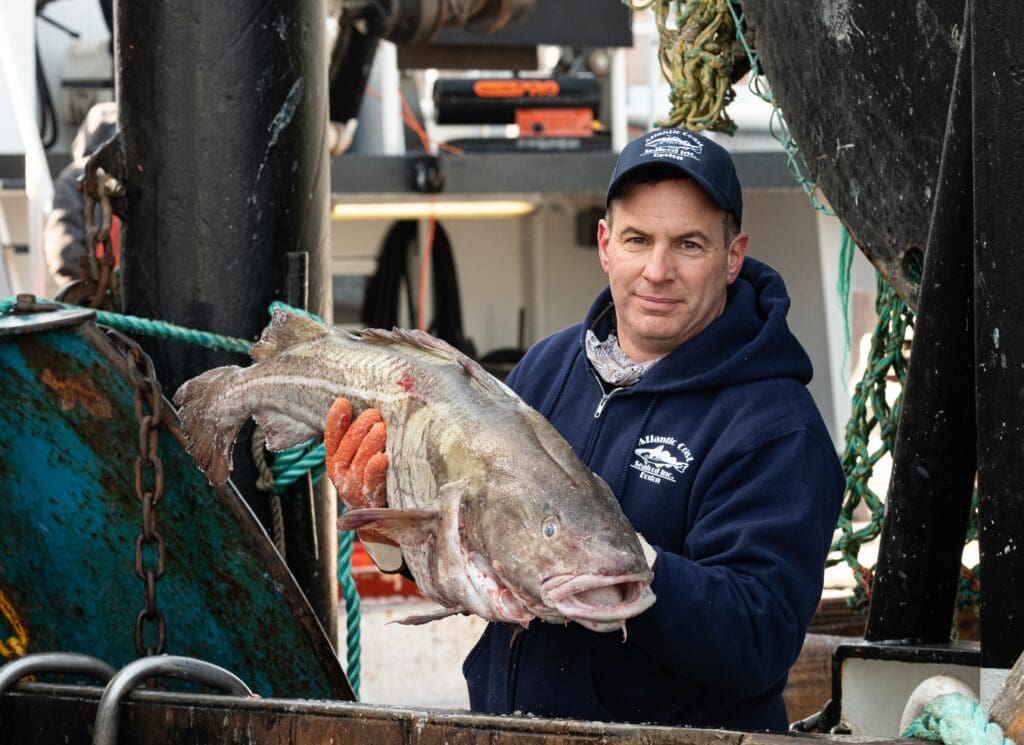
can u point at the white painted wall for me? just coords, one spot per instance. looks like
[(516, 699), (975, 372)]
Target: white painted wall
[(16, 61)]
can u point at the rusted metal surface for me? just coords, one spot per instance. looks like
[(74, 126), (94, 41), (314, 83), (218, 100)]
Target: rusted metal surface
[(69, 521), (865, 87), (46, 714)]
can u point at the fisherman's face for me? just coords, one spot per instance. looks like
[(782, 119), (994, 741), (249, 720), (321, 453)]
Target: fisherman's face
[(663, 247)]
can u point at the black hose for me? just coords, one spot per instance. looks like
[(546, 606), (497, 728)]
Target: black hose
[(48, 118), (381, 302)]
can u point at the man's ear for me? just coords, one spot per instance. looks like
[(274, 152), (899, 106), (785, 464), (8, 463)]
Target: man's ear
[(737, 252), (604, 231)]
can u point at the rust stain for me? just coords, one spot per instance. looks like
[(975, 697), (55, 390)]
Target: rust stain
[(78, 390)]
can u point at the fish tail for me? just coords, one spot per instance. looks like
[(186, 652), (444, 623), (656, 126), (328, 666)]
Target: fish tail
[(209, 431)]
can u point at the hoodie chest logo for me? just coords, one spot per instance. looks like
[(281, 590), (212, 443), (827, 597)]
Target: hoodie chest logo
[(661, 458)]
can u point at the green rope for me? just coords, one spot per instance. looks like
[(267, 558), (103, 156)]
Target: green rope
[(288, 467), (353, 634), (148, 327), (846, 250), (696, 55), (956, 719), (871, 411)]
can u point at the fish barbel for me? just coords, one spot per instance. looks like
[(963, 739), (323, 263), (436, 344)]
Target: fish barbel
[(494, 512)]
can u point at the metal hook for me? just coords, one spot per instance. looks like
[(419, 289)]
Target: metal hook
[(131, 675)]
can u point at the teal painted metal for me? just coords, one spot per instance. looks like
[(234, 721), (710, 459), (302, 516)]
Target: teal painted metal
[(69, 520)]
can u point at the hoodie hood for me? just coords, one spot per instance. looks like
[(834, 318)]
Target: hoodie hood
[(749, 341)]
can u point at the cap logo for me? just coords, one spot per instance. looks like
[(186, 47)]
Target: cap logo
[(674, 144)]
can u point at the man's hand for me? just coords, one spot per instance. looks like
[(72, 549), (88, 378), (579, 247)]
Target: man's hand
[(356, 463), (357, 466)]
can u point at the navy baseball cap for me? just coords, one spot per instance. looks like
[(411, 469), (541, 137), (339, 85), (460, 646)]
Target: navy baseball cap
[(703, 160)]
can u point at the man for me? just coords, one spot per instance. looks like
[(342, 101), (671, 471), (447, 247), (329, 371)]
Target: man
[(684, 389)]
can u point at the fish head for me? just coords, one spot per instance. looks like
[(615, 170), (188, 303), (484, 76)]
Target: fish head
[(565, 550)]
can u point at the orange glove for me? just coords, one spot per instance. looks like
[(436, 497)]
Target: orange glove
[(357, 466), (356, 463)]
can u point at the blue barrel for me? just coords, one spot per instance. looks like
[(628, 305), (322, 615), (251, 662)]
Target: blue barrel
[(70, 520)]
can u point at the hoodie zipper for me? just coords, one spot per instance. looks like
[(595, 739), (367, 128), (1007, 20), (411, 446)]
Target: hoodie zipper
[(604, 396), (588, 451)]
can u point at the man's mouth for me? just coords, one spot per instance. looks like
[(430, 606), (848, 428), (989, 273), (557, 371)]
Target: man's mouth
[(659, 302)]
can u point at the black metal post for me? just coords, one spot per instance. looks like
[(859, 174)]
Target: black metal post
[(223, 107), (998, 104), (928, 502)]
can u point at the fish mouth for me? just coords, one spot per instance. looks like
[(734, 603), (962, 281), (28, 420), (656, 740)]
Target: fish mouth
[(599, 602)]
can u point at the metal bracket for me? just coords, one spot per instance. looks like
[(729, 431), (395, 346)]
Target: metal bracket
[(134, 673), (66, 663)]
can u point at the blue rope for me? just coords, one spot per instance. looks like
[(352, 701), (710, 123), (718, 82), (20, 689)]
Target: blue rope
[(288, 467), (956, 719)]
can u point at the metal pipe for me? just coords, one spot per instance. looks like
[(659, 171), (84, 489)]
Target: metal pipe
[(64, 663), (134, 673), (223, 107)]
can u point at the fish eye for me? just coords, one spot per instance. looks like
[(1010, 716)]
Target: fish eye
[(550, 527)]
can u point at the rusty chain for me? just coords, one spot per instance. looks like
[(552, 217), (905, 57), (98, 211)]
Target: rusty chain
[(99, 288), (147, 392)]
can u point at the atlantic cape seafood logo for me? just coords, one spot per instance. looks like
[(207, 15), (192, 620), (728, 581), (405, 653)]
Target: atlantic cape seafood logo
[(673, 144), (660, 458)]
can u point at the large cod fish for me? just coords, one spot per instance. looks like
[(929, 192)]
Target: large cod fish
[(494, 513)]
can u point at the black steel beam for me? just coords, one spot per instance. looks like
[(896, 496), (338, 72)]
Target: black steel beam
[(928, 502), (998, 104)]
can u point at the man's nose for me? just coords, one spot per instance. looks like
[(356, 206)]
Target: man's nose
[(660, 266)]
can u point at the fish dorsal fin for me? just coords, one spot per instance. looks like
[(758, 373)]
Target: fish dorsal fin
[(424, 345), (285, 331)]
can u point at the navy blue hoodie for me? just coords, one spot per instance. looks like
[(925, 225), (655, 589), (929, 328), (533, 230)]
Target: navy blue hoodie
[(720, 459)]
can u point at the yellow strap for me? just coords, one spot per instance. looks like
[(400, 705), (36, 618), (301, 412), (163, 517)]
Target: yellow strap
[(17, 645)]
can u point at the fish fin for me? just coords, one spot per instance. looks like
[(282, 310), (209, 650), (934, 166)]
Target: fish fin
[(400, 526), (210, 446), (283, 432), (439, 348), (285, 331), (420, 618)]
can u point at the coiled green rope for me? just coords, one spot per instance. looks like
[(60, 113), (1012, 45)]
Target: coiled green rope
[(956, 719), (288, 466)]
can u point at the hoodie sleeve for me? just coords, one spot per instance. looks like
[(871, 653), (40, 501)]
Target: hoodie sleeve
[(733, 606)]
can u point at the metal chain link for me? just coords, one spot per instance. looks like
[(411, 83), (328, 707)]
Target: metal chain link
[(99, 288), (149, 490)]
